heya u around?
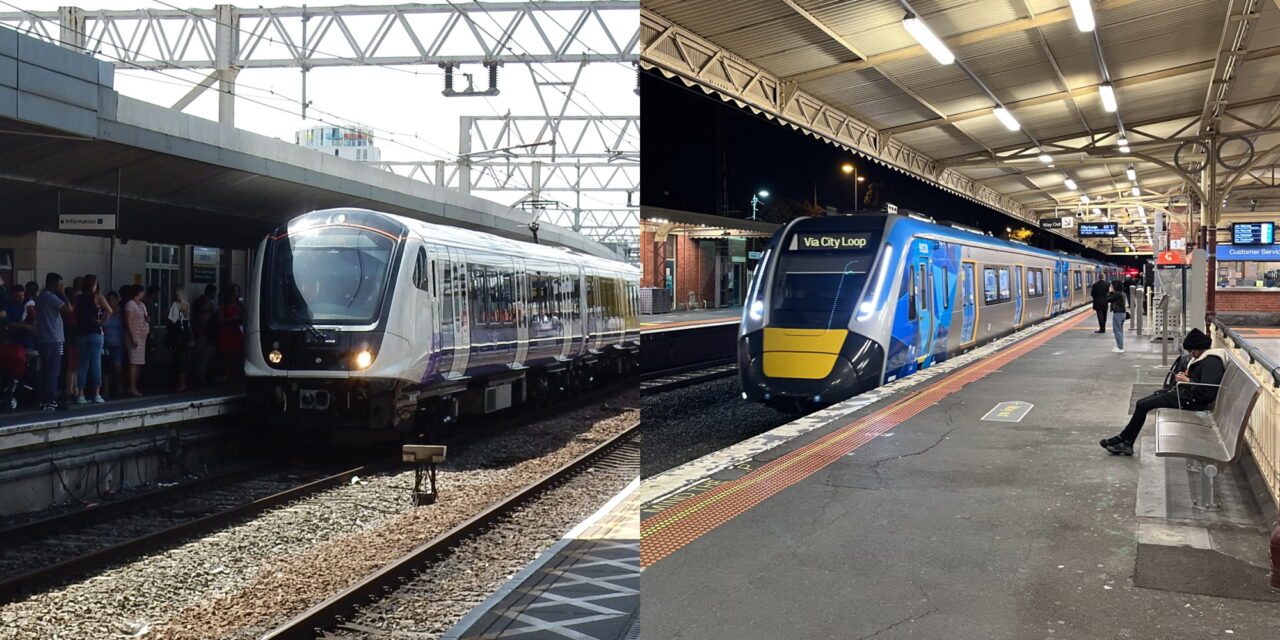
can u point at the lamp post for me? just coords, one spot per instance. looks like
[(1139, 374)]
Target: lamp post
[(850, 169), (756, 200)]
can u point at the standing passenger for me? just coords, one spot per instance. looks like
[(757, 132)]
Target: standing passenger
[(1117, 301), (113, 338), (203, 311), (50, 305), (178, 337), (137, 325), (231, 334), (92, 311), (1099, 293)]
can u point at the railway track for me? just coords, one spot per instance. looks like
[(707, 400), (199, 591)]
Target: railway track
[(332, 611), (689, 375), (70, 544)]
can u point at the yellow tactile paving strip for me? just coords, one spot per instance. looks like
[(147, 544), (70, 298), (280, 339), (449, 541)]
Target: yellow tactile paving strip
[(651, 326), (621, 523), (667, 532)]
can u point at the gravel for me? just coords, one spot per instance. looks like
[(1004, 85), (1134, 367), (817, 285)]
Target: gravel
[(688, 423), (443, 593), (63, 544), (247, 578)]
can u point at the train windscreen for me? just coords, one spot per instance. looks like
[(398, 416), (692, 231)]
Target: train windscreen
[(818, 290), (328, 275)]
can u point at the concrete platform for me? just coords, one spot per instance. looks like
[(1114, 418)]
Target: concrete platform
[(727, 315), (41, 428), (587, 586), (907, 515)]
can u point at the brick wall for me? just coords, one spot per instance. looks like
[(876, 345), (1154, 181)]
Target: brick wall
[(1247, 301), (652, 261)]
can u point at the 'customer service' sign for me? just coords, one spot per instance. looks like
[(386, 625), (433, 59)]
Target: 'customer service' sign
[(1254, 253)]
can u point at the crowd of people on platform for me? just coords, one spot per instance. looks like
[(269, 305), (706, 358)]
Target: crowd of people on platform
[(74, 344)]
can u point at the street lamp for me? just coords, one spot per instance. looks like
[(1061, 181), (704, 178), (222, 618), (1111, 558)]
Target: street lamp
[(756, 200), (850, 169)]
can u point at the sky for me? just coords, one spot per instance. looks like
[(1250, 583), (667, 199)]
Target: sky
[(679, 169), (412, 120)]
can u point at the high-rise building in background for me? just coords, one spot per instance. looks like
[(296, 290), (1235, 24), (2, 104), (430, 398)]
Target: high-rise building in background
[(351, 143)]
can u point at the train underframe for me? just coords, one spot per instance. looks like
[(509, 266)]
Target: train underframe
[(386, 408)]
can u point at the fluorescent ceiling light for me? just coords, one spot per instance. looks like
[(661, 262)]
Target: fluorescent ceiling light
[(1124, 148), (1084, 14), (1133, 175), (1046, 158), (1135, 191), (1097, 211), (1123, 141), (920, 31), (1071, 184), (1142, 210), (1084, 199), (1108, 95), (1002, 114)]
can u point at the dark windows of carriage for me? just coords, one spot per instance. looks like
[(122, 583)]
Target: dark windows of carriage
[(331, 275), (1035, 283), (995, 285)]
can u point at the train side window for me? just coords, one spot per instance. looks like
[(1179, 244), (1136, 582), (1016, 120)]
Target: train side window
[(435, 289), (911, 295), (924, 288), (1004, 284), (990, 294), (419, 269)]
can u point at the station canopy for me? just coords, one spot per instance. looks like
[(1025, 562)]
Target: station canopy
[(1023, 118)]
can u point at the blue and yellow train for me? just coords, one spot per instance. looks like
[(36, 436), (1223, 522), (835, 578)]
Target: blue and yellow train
[(841, 305)]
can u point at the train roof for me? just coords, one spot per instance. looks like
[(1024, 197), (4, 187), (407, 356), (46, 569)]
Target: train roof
[(479, 240), (916, 225)]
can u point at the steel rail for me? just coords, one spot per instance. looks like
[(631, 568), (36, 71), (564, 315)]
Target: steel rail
[(38, 578), (340, 606), (35, 579)]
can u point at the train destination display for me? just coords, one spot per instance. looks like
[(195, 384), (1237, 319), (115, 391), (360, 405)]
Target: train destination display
[(1098, 229), (1253, 233), (836, 241)]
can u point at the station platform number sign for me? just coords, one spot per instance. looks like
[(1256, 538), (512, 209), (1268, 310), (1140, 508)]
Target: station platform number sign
[(1171, 260)]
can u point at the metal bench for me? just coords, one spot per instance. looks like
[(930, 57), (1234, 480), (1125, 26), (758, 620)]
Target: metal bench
[(1210, 436)]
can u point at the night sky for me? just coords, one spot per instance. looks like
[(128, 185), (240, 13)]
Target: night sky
[(679, 140)]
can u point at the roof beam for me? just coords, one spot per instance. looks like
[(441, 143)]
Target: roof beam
[(960, 160), (987, 33), (1237, 32)]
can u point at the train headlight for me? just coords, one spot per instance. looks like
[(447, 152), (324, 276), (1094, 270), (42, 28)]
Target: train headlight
[(757, 310), (275, 356), (364, 359)]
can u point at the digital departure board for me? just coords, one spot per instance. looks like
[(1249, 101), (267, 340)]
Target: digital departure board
[(1098, 229), (833, 241), (1253, 233)]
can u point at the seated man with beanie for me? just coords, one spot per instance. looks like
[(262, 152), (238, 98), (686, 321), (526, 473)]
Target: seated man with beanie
[(1206, 367)]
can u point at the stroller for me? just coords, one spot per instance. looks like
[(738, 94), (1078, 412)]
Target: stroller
[(13, 374)]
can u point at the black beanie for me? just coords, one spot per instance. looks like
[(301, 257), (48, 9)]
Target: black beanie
[(1196, 340)]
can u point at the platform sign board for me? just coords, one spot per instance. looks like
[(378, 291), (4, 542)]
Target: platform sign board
[(1058, 223), (753, 255), (1248, 253), (204, 265), (1171, 260), (86, 222), (1013, 411)]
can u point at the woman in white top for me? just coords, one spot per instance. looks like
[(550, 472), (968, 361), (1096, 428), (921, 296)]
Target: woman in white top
[(178, 337)]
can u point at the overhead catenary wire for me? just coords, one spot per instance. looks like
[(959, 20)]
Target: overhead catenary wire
[(349, 122)]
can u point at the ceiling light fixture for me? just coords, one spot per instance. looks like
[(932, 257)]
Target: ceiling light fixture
[(1135, 191), (1083, 11), (1097, 211), (1108, 95), (921, 32), (1046, 158), (1084, 199), (1002, 114), (1133, 175), (1071, 184)]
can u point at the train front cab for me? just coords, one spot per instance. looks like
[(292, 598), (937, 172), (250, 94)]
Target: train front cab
[(317, 351), (795, 346)]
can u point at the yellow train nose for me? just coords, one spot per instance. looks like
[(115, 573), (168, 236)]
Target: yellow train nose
[(801, 353)]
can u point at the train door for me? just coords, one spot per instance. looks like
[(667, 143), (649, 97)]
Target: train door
[(923, 294), (1019, 288), (458, 288), (968, 304), (520, 307), (440, 315)]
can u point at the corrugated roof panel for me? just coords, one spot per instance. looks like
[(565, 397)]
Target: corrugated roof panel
[(940, 142), (869, 95)]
